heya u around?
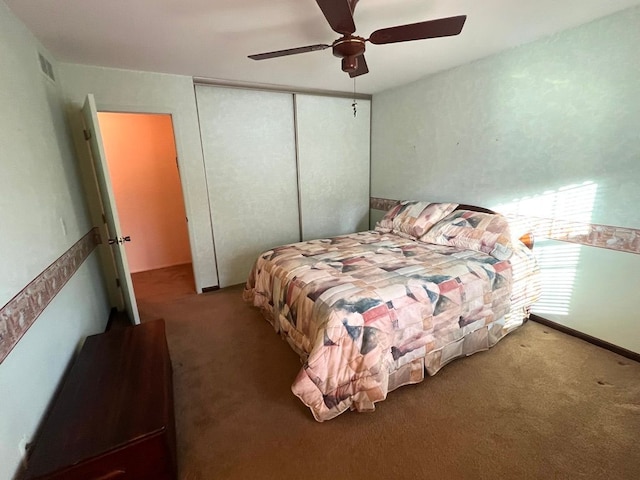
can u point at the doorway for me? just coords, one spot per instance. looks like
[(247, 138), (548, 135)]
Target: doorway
[(142, 161)]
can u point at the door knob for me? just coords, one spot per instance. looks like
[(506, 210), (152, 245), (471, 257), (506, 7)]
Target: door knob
[(119, 240)]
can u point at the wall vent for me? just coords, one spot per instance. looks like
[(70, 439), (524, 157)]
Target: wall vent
[(46, 67)]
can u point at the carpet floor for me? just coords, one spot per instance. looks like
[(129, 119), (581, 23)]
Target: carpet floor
[(539, 405)]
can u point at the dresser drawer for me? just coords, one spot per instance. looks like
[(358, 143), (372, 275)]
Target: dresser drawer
[(150, 457)]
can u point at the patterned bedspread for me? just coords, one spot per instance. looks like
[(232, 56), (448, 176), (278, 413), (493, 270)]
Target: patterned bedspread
[(369, 312)]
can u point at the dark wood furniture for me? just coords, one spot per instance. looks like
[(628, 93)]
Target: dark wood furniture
[(113, 416)]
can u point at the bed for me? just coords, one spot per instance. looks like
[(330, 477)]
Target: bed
[(372, 311)]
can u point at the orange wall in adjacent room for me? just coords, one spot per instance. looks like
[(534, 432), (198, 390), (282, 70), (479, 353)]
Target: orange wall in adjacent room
[(141, 155)]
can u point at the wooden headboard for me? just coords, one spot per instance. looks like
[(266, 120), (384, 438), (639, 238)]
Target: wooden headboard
[(473, 208)]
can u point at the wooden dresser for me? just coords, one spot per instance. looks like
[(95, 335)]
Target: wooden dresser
[(113, 416)]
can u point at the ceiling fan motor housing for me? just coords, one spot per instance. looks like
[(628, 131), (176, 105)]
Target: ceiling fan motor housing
[(349, 48)]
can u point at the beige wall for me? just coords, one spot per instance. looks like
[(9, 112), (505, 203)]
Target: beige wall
[(42, 214), (141, 155), (532, 127)]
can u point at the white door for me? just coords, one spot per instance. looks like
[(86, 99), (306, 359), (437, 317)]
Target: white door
[(116, 238), (333, 163), (248, 141)]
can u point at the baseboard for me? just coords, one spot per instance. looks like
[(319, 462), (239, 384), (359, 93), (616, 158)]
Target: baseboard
[(161, 267), (587, 338)]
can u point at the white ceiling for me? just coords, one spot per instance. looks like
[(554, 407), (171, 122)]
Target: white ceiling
[(212, 38)]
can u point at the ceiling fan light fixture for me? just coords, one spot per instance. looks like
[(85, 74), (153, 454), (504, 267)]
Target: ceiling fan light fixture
[(349, 64)]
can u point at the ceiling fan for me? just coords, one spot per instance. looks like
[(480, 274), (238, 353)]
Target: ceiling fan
[(350, 48)]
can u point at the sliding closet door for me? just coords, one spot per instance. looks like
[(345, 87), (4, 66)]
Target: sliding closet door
[(333, 162), (248, 139)]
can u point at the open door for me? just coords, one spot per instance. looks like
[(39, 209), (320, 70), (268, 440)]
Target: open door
[(115, 236)]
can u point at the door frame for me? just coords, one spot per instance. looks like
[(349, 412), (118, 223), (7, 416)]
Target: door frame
[(160, 110), (138, 184), (106, 256)]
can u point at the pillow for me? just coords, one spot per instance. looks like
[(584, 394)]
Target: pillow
[(413, 219), (484, 232)]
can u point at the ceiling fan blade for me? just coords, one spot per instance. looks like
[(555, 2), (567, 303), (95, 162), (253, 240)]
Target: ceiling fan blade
[(362, 67), (339, 14), (443, 27), (290, 51)]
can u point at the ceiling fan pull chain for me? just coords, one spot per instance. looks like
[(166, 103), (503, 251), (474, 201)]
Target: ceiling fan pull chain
[(354, 104)]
